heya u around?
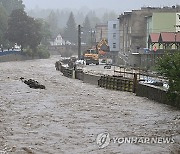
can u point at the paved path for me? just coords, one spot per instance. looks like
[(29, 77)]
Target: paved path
[(69, 114)]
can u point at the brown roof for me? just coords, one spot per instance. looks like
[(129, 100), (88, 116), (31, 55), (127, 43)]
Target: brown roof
[(154, 37), (178, 37), (169, 37)]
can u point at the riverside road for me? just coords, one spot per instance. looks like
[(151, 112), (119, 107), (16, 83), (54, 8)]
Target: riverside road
[(68, 115)]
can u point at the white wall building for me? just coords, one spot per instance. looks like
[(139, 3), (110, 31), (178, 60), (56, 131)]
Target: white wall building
[(113, 35), (58, 41)]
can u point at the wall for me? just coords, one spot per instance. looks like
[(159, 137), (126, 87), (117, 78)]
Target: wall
[(14, 57), (146, 60), (154, 93), (163, 22), (178, 22), (92, 79)]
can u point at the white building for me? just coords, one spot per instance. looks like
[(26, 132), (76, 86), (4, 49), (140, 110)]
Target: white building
[(58, 41), (113, 35)]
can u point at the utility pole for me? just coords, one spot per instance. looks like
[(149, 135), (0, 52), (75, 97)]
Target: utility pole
[(79, 42)]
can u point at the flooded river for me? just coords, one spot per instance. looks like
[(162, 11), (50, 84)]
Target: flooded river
[(68, 116)]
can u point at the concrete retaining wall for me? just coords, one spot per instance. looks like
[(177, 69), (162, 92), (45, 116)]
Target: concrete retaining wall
[(92, 79), (14, 57), (144, 90), (151, 92), (155, 93)]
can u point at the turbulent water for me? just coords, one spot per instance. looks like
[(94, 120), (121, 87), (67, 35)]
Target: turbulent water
[(68, 115)]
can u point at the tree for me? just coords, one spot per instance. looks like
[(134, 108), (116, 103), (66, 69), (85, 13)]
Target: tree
[(45, 32), (23, 30), (109, 16), (87, 32), (93, 18), (11, 5), (3, 23), (169, 66), (52, 20), (70, 32)]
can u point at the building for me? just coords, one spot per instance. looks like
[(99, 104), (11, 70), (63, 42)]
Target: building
[(101, 32), (134, 27), (58, 41), (162, 22), (113, 35)]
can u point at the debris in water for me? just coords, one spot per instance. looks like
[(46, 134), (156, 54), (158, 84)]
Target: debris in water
[(32, 83), (29, 151)]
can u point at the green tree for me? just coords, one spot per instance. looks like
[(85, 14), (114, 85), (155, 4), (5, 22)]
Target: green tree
[(169, 66), (93, 18), (24, 30), (45, 32), (87, 32), (109, 16), (3, 24), (11, 5), (52, 20), (70, 32)]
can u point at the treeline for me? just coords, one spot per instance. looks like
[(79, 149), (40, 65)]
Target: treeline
[(29, 29), (66, 21)]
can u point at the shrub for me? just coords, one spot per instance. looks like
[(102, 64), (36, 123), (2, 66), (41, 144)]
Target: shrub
[(42, 52), (39, 52), (169, 66)]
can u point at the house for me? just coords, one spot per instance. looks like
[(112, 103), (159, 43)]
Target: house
[(163, 22), (136, 25), (58, 41), (164, 40)]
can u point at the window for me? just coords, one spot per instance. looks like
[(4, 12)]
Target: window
[(114, 45), (114, 26), (178, 16), (114, 35)]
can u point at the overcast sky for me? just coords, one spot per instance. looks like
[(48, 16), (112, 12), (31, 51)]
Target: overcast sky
[(117, 5)]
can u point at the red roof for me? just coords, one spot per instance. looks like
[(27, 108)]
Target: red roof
[(178, 37), (169, 37), (154, 37)]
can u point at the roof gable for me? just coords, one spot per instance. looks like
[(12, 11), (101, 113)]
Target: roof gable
[(167, 37), (154, 38)]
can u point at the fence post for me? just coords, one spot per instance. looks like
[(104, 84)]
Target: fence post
[(135, 82)]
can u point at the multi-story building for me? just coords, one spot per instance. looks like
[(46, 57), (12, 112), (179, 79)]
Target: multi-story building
[(162, 22), (113, 35), (133, 27)]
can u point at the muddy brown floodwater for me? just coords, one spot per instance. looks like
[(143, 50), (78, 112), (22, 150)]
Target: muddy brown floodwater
[(68, 115)]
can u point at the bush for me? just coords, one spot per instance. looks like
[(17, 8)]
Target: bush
[(42, 52), (28, 52), (39, 52), (169, 66)]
